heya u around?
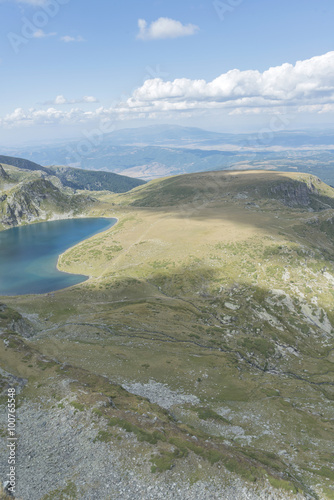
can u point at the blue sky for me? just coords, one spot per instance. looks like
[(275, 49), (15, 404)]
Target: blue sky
[(93, 56)]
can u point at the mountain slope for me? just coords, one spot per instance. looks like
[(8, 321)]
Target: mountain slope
[(93, 180), (292, 190), (78, 178), (213, 298), (27, 196), (20, 163)]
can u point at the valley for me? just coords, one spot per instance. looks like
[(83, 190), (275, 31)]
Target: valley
[(157, 151)]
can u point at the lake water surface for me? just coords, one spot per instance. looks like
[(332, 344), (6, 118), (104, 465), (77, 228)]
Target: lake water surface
[(29, 254)]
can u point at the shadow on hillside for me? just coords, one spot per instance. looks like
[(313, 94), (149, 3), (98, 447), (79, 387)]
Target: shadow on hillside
[(276, 203)]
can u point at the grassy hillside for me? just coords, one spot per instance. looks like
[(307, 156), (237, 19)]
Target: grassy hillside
[(20, 163), (213, 297), (294, 190), (94, 180)]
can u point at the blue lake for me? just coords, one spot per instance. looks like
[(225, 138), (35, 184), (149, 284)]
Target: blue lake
[(29, 254)]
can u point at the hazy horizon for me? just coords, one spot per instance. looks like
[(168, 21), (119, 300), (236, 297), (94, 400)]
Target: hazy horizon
[(68, 67)]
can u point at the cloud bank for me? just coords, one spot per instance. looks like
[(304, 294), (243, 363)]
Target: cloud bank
[(307, 86), (307, 83), (164, 27)]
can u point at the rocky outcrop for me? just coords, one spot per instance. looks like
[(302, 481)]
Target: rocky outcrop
[(39, 199), (13, 322), (294, 193), (3, 174), (18, 207)]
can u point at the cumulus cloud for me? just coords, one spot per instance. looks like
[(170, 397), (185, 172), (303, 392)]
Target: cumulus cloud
[(51, 115), (164, 27), (307, 86), (68, 39), (307, 82), (60, 100)]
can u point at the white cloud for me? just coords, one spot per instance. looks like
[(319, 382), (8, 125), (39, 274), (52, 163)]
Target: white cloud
[(51, 115), (60, 100), (164, 27), (306, 87), (42, 34), (89, 98), (68, 39), (307, 82)]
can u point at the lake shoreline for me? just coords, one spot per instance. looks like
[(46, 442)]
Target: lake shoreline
[(73, 246), (30, 254)]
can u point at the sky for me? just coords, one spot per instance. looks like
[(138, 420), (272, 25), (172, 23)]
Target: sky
[(69, 67)]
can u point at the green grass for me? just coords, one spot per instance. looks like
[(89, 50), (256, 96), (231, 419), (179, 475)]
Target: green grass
[(329, 493), (283, 485), (141, 434), (326, 472), (163, 462), (209, 414), (103, 436), (70, 492), (77, 406)]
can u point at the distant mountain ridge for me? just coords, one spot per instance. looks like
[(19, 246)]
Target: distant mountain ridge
[(79, 178), (20, 163), (178, 136), (163, 150)]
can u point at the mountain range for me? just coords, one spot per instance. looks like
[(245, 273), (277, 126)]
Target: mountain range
[(153, 152)]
